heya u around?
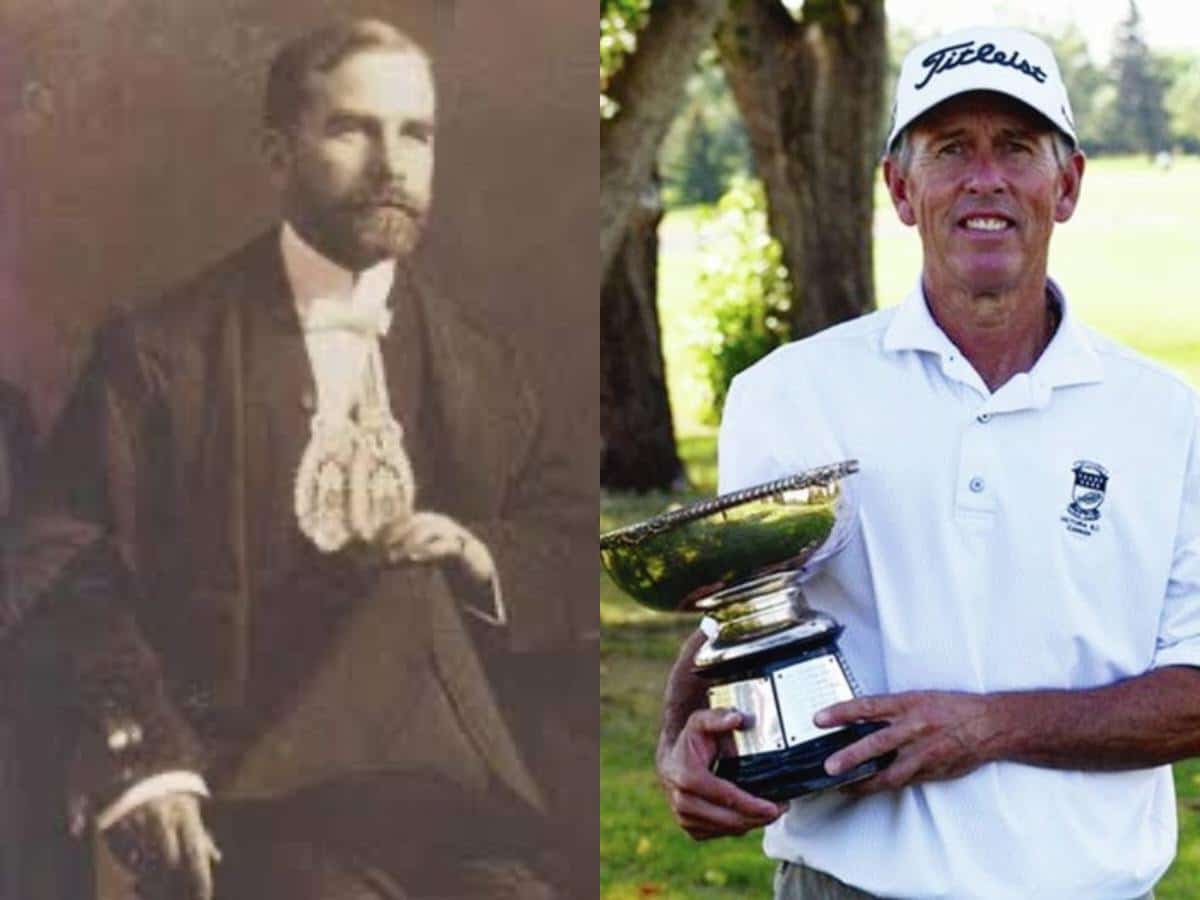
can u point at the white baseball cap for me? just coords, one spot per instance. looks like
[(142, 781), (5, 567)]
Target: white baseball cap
[(1006, 60)]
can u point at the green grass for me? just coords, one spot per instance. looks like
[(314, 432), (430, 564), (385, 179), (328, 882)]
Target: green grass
[(1130, 263), (642, 852)]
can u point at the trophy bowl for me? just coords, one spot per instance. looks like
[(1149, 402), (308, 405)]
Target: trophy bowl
[(741, 558)]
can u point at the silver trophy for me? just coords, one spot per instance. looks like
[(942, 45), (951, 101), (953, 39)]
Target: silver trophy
[(742, 559)]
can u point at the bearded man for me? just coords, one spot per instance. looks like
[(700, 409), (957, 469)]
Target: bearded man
[(317, 474)]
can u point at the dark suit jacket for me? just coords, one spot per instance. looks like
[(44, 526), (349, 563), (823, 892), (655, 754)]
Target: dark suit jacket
[(183, 438)]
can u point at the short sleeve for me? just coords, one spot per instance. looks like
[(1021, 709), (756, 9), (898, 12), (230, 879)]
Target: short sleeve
[(1178, 640), (761, 426), (740, 460)]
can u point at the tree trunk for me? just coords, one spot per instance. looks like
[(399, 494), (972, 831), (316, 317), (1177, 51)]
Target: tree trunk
[(647, 89), (638, 440), (810, 93), (638, 437)]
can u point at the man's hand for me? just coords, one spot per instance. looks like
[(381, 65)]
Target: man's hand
[(432, 537), (937, 735), (706, 806), (164, 842)]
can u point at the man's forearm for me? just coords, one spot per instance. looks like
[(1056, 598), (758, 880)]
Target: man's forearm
[(1144, 721), (684, 693)]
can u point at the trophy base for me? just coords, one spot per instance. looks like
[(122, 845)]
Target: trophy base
[(800, 770)]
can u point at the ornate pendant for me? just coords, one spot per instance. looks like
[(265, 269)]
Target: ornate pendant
[(323, 484), (355, 477), (381, 478)]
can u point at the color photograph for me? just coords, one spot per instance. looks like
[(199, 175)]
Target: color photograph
[(900, 470)]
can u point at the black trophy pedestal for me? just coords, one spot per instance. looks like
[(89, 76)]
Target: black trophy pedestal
[(792, 763), (796, 771)]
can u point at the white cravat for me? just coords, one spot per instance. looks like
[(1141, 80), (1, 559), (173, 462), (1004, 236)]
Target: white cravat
[(354, 476)]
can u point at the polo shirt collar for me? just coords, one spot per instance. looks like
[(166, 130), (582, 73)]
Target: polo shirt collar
[(1071, 356), (1069, 359), (913, 327)]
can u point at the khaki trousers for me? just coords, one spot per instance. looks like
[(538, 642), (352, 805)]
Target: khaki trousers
[(795, 881)]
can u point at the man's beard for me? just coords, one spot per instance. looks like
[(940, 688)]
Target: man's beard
[(370, 226)]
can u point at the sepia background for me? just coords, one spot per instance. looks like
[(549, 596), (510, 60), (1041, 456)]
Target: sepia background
[(129, 162)]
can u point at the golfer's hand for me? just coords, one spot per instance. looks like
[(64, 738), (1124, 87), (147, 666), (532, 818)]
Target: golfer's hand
[(164, 843), (706, 806), (432, 537), (937, 735)]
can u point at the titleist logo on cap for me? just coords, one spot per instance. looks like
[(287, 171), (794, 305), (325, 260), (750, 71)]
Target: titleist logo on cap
[(946, 58)]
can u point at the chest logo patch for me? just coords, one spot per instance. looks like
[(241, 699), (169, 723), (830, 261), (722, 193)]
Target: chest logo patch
[(1087, 496)]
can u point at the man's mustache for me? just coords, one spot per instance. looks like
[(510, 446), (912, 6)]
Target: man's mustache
[(389, 196)]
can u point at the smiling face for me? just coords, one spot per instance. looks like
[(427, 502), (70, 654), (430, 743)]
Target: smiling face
[(984, 188), (356, 169)]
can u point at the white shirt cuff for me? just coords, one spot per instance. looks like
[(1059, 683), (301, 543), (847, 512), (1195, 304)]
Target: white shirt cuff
[(179, 782), (499, 614)]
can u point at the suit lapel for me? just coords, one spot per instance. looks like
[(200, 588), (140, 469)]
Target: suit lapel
[(405, 363), (459, 452), (469, 427), (279, 401)]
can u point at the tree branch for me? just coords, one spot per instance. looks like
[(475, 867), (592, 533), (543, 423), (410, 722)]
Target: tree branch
[(648, 89)]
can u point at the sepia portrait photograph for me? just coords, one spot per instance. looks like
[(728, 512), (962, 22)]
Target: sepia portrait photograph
[(298, 450)]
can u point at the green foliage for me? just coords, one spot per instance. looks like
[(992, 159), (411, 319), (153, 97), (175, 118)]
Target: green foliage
[(1140, 123), (1183, 102), (620, 21), (744, 290), (1087, 85), (706, 145)]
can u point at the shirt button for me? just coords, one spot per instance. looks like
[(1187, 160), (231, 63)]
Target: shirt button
[(983, 418), (976, 485)]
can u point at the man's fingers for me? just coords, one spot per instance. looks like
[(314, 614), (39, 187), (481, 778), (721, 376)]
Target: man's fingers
[(426, 537), (715, 721), (214, 851), (435, 547), (860, 709), (165, 836), (703, 820), (904, 770), (704, 805), (874, 744), (901, 772), (743, 803), (426, 526), (704, 786), (704, 727), (696, 813), (197, 857)]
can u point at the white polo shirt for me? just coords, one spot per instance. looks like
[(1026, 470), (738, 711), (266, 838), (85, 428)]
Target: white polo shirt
[(980, 565)]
